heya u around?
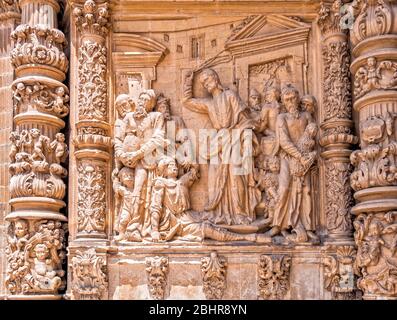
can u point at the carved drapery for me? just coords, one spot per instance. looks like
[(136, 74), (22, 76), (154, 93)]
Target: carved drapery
[(373, 37), (337, 135), (92, 130), (36, 239)]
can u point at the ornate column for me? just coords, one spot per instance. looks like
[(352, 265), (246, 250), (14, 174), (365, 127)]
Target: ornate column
[(35, 251), (90, 123), (374, 65), (90, 184), (10, 16), (337, 135)]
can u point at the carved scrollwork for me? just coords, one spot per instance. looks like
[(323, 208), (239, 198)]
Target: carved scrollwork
[(39, 45), (35, 255), (35, 164), (339, 274), (41, 97), (93, 18), (329, 17), (213, 269), (373, 75), (336, 85), (91, 208), (89, 275), (375, 162), (339, 196), (376, 263), (273, 274), (157, 272), (92, 81)]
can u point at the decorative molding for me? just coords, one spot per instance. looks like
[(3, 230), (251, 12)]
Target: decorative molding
[(157, 273), (213, 270)]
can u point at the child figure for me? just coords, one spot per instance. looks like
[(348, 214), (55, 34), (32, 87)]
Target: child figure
[(124, 187), (38, 145), (59, 147), (59, 102)]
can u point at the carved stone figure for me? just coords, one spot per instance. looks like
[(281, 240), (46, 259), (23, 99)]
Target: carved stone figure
[(295, 133), (232, 198), (213, 269), (89, 275), (274, 272), (157, 273)]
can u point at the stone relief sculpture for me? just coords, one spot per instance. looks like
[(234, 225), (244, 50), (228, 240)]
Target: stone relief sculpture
[(274, 272), (157, 272), (35, 256), (89, 275), (213, 269)]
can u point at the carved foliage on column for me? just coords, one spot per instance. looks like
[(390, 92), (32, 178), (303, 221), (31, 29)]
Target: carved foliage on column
[(375, 163), (376, 239), (213, 269), (336, 85), (274, 272), (91, 209), (339, 275), (92, 81), (93, 19), (39, 45), (35, 254), (35, 168), (89, 276), (329, 17), (339, 196), (157, 272)]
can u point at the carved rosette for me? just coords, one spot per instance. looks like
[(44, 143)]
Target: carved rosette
[(339, 273), (337, 135), (38, 154), (273, 272), (157, 271), (89, 276), (374, 178), (213, 270), (92, 139)]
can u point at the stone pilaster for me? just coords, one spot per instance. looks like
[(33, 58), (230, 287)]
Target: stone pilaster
[(9, 18), (36, 235), (90, 122), (337, 135), (374, 179)]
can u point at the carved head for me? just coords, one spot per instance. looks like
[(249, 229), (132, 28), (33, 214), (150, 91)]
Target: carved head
[(308, 103), (209, 79), (127, 177), (163, 106), (14, 136), (41, 251), (21, 228), (254, 98), (167, 167), (371, 62), (60, 137), (20, 86), (124, 104), (89, 6), (290, 98), (274, 164), (147, 100), (35, 133), (272, 94), (60, 91)]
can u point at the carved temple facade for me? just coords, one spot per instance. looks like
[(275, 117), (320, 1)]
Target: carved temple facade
[(116, 118)]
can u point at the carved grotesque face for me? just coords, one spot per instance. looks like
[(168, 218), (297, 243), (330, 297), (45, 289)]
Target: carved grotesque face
[(172, 170), (21, 228), (254, 100), (291, 102), (41, 252), (35, 132)]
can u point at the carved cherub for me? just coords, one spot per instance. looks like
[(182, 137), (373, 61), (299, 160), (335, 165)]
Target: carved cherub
[(15, 143), (38, 143), (366, 78), (20, 235), (59, 147), (60, 98)]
